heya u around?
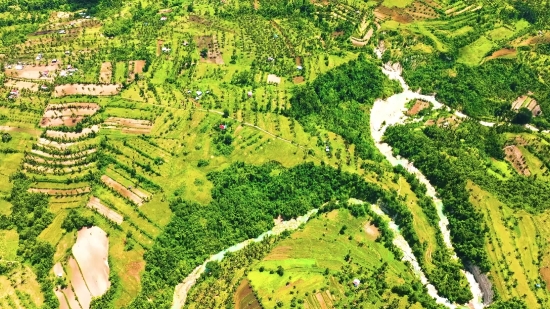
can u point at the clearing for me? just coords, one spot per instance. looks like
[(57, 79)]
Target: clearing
[(86, 89)]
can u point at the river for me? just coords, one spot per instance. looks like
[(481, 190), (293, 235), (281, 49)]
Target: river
[(391, 111)]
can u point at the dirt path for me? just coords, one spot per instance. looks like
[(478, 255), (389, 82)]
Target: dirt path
[(61, 192), (112, 215), (122, 190)]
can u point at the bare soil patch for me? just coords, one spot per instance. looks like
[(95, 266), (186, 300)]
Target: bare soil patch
[(135, 67), (86, 89), (33, 71), (61, 192), (515, 157), (71, 297), (128, 125), (61, 298), (95, 203), (67, 114), (64, 162), (52, 144), (531, 105), (79, 285), (503, 53), (321, 301), (15, 129), (127, 193), (244, 297), (72, 135), (159, 46), (397, 14), (105, 73), (91, 251), (298, 79), (214, 54), (371, 230), (64, 170), (279, 253), (19, 84), (417, 107), (545, 274), (75, 155)]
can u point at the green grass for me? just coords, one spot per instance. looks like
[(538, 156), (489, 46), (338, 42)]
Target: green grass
[(304, 259), (9, 241), (5, 207), (397, 3), (511, 246), (500, 33), (473, 54)]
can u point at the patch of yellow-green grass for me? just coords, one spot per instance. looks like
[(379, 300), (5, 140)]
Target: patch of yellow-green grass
[(22, 279), (512, 273), (501, 168), (127, 264), (533, 163), (423, 228), (521, 24), (5, 207), (461, 31), (9, 164), (64, 246), (423, 48), (473, 53), (397, 3), (9, 241), (158, 210), (121, 69), (304, 259), (53, 233), (500, 33), (419, 27)]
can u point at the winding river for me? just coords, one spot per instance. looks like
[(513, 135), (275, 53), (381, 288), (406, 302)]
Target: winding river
[(385, 113)]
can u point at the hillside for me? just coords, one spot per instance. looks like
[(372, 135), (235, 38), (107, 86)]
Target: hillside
[(274, 154)]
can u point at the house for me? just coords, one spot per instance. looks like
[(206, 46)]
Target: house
[(14, 92), (223, 126), (356, 282), (327, 148), (88, 17), (299, 67), (39, 57), (44, 87), (270, 58), (67, 52), (165, 49), (54, 60), (249, 94), (163, 18), (61, 31), (63, 73), (185, 43), (19, 67), (44, 73), (199, 93)]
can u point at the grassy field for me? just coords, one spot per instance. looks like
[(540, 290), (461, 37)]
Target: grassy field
[(513, 248), (304, 259), (473, 54)]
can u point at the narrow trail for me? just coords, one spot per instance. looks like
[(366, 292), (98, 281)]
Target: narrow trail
[(386, 113)]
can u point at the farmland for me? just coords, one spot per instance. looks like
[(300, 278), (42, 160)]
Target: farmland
[(167, 131)]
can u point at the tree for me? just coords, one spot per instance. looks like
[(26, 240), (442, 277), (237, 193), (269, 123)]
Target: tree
[(225, 113), (6, 137), (523, 116), (280, 271), (204, 52)]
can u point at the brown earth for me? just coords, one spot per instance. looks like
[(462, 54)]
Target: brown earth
[(105, 73), (122, 190), (214, 54), (502, 53), (66, 157), (91, 251), (159, 47), (71, 297), (86, 89), (371, 230), (62, 192), (64, 162), (545, 274), (67, 114), (245, 298), (53, 144), (32, 71), (72, 135), (95, 203), (515, 157), (19, 84), (79, 285), (135, 67), (321, 301), (397, 14), (417, 107), (279, 253), (65, 170), (128, 125), (61, 298), (298, 79)]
